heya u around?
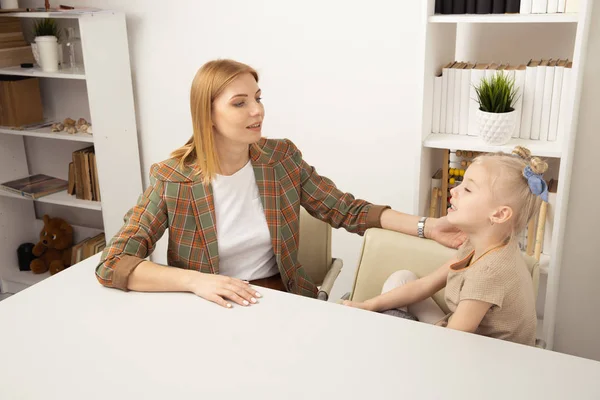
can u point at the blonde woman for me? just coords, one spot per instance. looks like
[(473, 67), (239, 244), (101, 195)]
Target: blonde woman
[(231, 200)]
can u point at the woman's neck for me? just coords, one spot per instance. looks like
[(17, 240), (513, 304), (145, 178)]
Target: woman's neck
[(232, 156), (486, 241)]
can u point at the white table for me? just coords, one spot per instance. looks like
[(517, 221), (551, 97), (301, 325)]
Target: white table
[(70, 338)]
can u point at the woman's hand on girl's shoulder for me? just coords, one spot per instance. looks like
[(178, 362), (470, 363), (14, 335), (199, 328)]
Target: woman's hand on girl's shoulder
[(223, 290), (444, 232)]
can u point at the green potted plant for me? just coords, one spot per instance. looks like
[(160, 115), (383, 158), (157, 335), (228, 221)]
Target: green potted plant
[(496, 115), (45, 47)]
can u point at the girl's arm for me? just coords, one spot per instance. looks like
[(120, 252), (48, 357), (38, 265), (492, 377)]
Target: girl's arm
[(468, 315), (410, 293)]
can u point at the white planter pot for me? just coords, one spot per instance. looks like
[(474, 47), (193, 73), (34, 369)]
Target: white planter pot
[(45, 52), (496, 129)]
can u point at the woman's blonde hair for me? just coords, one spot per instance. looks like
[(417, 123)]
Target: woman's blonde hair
[(199, 153), (510, 184)]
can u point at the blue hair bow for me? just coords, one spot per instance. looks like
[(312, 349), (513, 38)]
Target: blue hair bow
[(537, 184)]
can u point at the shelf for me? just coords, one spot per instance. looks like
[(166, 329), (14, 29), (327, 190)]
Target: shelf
[(26, 278), (48, 134), (64, 73), (67, 14), (474, 143), (504, 18), (60, 198)]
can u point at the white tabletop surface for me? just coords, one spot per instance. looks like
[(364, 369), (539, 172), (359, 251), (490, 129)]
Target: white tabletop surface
[(70, 338)]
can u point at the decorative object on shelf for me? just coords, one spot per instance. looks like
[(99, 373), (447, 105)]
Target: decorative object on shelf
[(496, 115), (47, 5), (25, 256), (73, 45), (9, 4), (35, 186), (54, 248), (20, 101), (45, 49), (71, 126)]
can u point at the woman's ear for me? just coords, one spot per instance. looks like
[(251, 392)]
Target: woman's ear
[(501, 215)]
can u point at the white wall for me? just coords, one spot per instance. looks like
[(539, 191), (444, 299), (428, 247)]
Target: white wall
[(578, 314), (333, 74)]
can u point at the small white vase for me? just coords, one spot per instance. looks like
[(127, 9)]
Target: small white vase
[(496, 128), (9, 4), (47, 53)]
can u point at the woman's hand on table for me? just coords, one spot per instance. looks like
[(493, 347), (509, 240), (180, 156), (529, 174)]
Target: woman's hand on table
[(223, 290)]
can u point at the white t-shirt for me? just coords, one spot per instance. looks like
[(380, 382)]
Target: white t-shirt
[(245, 248)]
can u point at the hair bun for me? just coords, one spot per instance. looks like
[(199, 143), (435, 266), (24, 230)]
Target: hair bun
[(538, 165), (522, 152)]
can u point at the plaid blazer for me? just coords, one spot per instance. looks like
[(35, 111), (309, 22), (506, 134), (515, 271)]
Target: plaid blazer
[(179, 201)]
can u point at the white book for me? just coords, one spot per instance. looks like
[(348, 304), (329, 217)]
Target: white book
[(444, 102), (547, 100), (437, 103), (457, 99), (491, 70), (520, 87), (525, 6), (561, 6), (450, 100), (572, 6), (556, 95), (552, 7), (465, 83), (539, 6), (528, 98), (477, 74), (564, 115), (538, 99)]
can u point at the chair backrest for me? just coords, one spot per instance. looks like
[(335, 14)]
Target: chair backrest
[(315, 246), (385, 252)]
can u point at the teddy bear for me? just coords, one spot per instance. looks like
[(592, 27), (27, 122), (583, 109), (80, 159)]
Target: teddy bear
[(54, 248)]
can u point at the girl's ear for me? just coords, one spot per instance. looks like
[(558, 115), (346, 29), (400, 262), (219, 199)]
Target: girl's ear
[(501, 215)]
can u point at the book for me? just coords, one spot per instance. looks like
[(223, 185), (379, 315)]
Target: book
[(457, 97), (471, 6), (538, 100), (465, 83), (539, 6), (459, 6), (513, 6), (35, 186), (498, 6), (483, 7), (437, 103), (528, 98), (555, 103), (547, 100), (71, 189), (450, 99), (564, 113), (520, 85)]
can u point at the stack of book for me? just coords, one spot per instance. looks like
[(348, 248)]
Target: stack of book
[(506, 6), (35, 186), (87, 248), (14, 50), (542, 104), (83, 175)]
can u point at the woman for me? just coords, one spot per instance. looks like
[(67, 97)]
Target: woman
[(231, 200)]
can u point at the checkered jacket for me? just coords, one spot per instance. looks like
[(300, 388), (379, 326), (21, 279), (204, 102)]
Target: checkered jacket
[(177, 200)]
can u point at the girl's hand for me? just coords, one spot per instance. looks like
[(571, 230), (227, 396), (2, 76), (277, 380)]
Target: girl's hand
[(358, 304), (440, 230), (219, 289)]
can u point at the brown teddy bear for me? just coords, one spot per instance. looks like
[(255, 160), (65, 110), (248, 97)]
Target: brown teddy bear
[(54, 248)]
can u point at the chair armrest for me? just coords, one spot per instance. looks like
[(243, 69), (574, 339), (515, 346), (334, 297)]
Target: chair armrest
[(329, 280)]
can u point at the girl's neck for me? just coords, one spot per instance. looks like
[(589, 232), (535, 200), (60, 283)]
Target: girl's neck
[(484, 242), (232, 156)]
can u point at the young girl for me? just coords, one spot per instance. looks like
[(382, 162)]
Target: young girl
[(489, 290)]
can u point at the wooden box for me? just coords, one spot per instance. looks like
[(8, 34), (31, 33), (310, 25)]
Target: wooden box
[(20, 101)]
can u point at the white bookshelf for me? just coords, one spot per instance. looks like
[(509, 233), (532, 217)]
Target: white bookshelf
[(47, 133), (504, 18), (107, 88), (445, 38), (65, 73)]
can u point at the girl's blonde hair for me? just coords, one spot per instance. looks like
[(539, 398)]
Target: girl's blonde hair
[(199, 152), (509, 184)]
